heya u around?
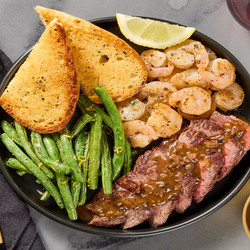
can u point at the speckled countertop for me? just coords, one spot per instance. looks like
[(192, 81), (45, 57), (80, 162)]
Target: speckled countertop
[(20, 29)]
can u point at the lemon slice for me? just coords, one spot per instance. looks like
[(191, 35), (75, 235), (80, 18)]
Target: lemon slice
[(151, 33)]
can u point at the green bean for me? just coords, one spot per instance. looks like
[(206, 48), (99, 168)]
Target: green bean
[(81, 122), (95, 151), (37, 142), (119, 136), (82, 107), (21, 172), (45, 196), (24, 159), (73, 118), (62, 180), (79, 144), (85, 103), (106, 166), (68, 155), (51, 148), (11, 132), (127, 158), (29, 150), (75, 190), (16, 164), (85, 160), (38, 181)]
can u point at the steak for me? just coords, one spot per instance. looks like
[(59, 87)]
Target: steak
[(182, 169)]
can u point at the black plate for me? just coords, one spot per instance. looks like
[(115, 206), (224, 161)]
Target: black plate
[(222, 192)]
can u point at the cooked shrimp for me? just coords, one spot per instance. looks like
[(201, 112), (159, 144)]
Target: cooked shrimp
[(154, 58), (185, 54), (230, 98), (139, 133), (131, 109), (157, 91), (156, 63), (164, 120), (188, 78), (211, 54), (168, 78), (205, 115), (220, 73), (192, 100)]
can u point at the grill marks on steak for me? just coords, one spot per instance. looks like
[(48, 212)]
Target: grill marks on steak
[(170, 176)]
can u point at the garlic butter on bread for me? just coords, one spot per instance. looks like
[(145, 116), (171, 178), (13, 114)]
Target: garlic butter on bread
[(43, 94), (102, 58)]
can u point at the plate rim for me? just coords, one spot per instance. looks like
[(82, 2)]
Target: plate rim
[(110, 231)]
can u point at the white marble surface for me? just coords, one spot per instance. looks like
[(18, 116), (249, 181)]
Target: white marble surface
[(19, 30)]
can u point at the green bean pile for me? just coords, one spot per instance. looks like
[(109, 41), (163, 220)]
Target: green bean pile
[(75, 159)]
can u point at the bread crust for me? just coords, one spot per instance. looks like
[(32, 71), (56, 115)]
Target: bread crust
[(102, 58), (43, 94)]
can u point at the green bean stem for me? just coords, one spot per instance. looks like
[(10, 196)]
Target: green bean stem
[(95, 151), (119, 136), (24, 159), (29, 150), (62, 180), (68, 155), (106, 166), (81, 122), (57, 166)]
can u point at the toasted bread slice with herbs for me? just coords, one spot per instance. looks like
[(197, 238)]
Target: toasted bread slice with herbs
[(43, 94), (102, 58)]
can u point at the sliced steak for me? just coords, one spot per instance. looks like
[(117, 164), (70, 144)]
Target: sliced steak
[(232, 151), (209, 168), (135, 217), (159, 214), (188, 183), (171, 175), (99, 221)]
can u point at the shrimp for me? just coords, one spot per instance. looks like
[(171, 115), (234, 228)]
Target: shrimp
[(156, 63), (192, 100), (205, 115), (188, 78), (164, 120), (220, 73), (230, 98), (139, 133), (211, 54), (155, 92), (168, 78), (131, 109), (185, 54)]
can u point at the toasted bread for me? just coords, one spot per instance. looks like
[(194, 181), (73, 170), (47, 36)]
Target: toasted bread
[(43, 94), (102, 58)]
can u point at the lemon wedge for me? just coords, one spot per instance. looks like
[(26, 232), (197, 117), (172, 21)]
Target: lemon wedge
[(151, 33)]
